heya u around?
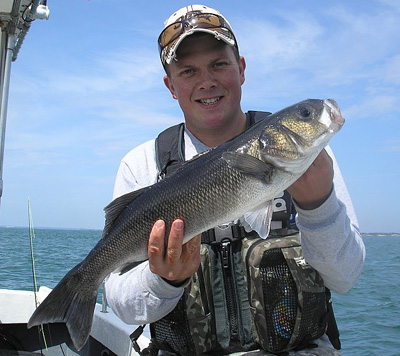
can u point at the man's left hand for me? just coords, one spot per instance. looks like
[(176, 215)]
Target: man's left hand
[(315, 185)]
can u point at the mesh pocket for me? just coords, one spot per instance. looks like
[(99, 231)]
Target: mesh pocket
[(172, 332), (312, 325), (280, 299), (286, 295)]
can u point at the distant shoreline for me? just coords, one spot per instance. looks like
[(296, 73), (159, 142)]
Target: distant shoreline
[(377, 234), (380, 234), (50, 228)]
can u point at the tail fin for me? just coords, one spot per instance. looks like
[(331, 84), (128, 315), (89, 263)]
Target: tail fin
[(70, 302)]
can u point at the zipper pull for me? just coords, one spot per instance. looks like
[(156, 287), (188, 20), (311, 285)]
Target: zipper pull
[(225, 249)]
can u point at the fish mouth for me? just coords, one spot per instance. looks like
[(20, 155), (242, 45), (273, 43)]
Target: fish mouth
[(334, 113)]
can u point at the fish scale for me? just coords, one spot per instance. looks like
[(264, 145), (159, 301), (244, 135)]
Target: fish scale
[(222, 185)]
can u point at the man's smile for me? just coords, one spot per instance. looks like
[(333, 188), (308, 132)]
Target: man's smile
[(210, 101)]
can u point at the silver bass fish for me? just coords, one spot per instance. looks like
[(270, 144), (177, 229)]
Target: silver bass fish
[(229, 182)]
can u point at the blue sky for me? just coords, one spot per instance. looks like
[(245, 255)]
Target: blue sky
[(87, 87)]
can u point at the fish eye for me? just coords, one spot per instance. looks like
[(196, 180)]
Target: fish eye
[(304, 112)]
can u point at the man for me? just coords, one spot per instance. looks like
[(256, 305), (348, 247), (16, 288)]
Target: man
[(205, 72)]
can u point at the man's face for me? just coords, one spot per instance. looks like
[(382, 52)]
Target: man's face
[(206, 79)]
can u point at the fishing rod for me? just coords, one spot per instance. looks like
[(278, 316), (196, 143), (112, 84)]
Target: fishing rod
[(35, 289)]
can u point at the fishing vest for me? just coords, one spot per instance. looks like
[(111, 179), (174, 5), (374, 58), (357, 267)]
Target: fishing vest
[(248, 292)]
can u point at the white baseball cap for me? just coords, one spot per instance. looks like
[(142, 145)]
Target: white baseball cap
[(188, 20)]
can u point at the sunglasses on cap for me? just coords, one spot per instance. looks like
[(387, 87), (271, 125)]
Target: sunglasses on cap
[(204, 21)]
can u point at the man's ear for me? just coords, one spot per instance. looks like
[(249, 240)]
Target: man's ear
[(170, 86), (242, 68)]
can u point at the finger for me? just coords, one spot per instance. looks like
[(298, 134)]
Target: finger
[(323, 166), (192, 254), (156, 240), (193, 245), (175, 241)]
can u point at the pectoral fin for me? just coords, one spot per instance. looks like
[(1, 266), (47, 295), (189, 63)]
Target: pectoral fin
[(249, 165), (259, 220)]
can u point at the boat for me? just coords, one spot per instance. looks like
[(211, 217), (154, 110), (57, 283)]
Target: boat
[(109, 335)]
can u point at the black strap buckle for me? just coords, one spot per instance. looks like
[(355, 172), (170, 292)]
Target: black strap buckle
[(231, 232), (134, 338), (151, 350)]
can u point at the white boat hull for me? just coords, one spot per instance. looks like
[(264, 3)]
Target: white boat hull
[(109, 335)]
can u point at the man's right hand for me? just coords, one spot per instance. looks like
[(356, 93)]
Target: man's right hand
[(180, 261)]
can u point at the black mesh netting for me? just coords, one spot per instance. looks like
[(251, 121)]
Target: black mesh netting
[(281, 305), (312, 326), (280, 299), (172, 332)]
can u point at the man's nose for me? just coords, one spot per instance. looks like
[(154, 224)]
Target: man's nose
[(207, 80)]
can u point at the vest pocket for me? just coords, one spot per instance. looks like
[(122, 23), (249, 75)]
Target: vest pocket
[(286, 295)]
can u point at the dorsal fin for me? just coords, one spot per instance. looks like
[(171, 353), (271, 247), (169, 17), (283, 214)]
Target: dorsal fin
[(117, 206)]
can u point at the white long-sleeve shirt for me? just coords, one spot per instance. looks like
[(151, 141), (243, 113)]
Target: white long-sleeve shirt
[(330, 238)]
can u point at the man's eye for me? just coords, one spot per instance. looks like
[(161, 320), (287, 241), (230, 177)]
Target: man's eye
[(187, 71), (220, 64)]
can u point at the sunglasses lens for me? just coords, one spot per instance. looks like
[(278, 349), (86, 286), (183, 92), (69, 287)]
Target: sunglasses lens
[(207, 20), (169, 34)]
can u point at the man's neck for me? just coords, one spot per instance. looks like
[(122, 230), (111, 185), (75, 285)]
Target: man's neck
[(216, 136)]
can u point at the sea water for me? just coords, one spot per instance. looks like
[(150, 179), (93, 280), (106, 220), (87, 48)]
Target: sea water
[(368, 316)]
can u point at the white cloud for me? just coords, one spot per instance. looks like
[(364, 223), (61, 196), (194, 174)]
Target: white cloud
[(278, 46), (380, 107), (391, 70), (393, 4), (104, 107), (393, 146), (123, 71), (350, 55), (337, 45)]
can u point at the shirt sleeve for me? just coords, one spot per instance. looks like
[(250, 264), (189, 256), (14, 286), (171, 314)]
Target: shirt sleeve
[(140, 296), (331, 239)]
